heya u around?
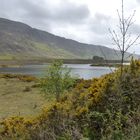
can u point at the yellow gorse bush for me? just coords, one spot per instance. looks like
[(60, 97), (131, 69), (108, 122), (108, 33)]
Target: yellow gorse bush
[(85, 97)]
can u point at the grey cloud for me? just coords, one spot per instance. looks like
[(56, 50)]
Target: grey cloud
[(71, 13), (64, 12), (6, 9), (100, 24), (19, 9), (45, 14), (34, 9), (135, 29)]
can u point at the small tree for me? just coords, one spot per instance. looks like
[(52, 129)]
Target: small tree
[(123, 39), (57, 80), (98, 58)]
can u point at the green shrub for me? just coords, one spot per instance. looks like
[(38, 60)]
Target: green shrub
[(58, 79)]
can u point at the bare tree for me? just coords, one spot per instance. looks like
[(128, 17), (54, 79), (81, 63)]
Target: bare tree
[(123, 39)]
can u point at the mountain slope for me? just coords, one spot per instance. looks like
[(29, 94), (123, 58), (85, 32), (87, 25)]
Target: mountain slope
[(18, 40)]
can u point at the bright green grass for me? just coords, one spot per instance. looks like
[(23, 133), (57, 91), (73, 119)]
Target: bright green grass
[(53, 53), (6, 57)]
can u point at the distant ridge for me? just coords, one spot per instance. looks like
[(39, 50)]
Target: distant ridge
[(20, 41)]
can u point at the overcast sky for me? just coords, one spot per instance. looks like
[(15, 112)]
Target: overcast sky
[(82, 20)]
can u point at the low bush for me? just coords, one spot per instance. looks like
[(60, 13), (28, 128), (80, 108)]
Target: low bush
[(24, 78)]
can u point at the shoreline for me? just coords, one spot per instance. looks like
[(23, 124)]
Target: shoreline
[(20, 63)]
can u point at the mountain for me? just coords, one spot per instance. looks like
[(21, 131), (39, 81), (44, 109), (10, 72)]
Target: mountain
[(20, 41)]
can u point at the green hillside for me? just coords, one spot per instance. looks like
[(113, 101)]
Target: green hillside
[(20, 41)]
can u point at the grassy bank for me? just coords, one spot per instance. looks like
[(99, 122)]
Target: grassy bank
[(19, 96), (20, 62), (106, 65)]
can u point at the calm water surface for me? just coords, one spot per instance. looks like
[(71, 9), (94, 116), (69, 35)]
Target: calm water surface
[(79, 70)]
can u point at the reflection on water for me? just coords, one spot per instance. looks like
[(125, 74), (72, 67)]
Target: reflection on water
[(81, 70)]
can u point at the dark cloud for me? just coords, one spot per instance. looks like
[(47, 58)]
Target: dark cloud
[(45, 14), (34, 9), (64, 11)]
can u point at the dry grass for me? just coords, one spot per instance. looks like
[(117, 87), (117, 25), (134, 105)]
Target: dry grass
[(18, 97)]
